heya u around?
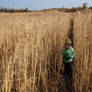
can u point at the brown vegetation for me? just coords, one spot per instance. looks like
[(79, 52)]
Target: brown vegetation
[(30, 48)]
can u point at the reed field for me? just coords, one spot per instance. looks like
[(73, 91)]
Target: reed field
[(30, 48)]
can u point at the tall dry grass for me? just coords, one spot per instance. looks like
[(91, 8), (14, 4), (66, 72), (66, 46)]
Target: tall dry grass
[(30, 51), (30, 47), (81, 76)]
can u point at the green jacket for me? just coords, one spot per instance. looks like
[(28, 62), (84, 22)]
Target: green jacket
[(68, 55)]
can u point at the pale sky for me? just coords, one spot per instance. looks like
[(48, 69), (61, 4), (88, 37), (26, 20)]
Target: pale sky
[(42, 4)]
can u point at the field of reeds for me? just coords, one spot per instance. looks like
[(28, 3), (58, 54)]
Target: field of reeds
[(30, 48)]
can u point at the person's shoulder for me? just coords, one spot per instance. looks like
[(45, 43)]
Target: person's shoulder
[(72, 48)]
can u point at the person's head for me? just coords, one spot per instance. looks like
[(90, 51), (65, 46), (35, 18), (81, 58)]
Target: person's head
[(68, 43), (67, 46)]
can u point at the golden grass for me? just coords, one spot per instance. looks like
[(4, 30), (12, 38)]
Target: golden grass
[(30, 48), (29, 44), (81, 43)]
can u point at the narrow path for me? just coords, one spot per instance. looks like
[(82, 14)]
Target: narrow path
[(71, 34), (69, 79)]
